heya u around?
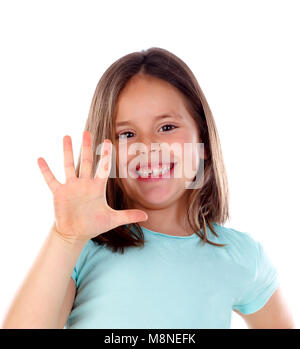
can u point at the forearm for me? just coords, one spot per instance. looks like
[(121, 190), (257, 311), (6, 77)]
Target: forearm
[(39, 300)]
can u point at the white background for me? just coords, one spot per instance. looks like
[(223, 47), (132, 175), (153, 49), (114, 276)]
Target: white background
[(245, 55)]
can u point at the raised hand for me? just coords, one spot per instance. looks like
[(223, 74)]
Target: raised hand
[(81, 209)]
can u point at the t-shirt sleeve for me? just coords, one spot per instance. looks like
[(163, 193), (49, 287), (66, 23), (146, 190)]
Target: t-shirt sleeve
[(262, 284)]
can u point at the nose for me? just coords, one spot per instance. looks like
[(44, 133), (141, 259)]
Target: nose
[(153, 147)]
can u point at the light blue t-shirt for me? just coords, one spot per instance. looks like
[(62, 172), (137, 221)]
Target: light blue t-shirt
[(172, 282)]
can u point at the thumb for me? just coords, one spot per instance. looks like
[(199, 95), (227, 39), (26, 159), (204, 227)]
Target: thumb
[(131, 216)]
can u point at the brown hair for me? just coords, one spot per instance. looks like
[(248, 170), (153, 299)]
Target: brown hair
[(206, 205)]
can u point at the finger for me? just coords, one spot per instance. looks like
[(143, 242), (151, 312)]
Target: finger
[(123, 217), (86, 156), (51, 181), (68, 158), (104, 165)]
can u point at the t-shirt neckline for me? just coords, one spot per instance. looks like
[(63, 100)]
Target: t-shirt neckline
[(167, 235)]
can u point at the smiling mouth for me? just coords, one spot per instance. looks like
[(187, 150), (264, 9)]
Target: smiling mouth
[(155, 173)]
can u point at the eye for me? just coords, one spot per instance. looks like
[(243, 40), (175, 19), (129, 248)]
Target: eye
[(168, 125), (123, 133)]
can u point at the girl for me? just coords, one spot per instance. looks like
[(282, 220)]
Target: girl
[(146, 251)]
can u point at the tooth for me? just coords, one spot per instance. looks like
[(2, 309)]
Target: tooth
[(156, 171)]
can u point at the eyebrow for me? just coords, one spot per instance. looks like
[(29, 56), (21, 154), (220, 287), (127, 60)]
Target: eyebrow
[(157, 117)]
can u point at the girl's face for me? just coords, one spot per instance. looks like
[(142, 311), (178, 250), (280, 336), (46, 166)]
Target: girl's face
[(137, 120)]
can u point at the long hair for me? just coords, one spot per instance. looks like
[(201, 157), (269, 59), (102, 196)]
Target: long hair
[(206, 205)]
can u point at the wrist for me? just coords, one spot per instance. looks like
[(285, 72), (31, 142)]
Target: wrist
[(69, 243)]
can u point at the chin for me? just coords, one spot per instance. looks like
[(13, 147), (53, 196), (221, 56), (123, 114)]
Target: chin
[(158, 198)]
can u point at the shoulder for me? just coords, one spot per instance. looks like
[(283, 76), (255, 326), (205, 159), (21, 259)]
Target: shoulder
[(89, 249), (234, 236), (240, 245), (85, 260)]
